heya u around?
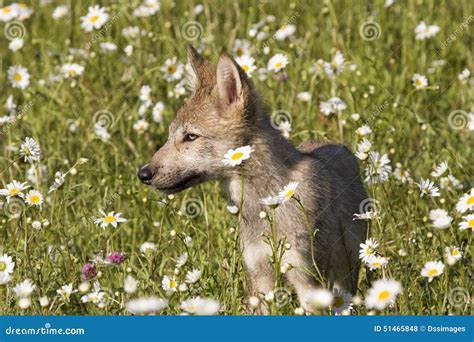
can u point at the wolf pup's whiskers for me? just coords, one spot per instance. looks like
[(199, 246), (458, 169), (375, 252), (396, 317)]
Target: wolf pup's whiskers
[(224, 112)]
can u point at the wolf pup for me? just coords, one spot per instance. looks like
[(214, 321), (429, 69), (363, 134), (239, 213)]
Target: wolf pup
[(224, 112)]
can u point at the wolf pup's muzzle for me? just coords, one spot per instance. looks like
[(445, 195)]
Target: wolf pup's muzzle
[(145, 175)]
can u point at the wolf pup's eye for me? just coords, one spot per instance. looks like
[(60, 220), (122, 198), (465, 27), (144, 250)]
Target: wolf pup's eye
[(190, 137)]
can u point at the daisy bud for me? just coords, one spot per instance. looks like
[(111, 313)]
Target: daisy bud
[(254, 301), (84, 287), (44, 301), (24, 302), (299, 311)]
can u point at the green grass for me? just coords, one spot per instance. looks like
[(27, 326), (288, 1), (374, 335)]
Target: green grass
[(410, 126)]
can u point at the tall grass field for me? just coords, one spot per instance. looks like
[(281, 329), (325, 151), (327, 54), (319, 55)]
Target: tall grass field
[(89, 88)]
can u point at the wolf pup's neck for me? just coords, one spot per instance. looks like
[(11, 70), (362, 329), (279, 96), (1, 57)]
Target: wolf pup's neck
[(269, 168)]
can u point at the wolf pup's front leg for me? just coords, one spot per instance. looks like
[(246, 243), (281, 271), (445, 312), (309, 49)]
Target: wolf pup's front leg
[(261, 277)]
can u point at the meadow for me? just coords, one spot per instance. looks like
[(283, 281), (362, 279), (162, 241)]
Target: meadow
[(87, 95)]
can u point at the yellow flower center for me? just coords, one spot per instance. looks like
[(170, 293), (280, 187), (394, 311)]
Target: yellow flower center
[(6, 9), (470, 200), (17, 77), (172, 284), (338, 302), (369, 250), (245, 67), (279, 64), (376, 264), (71, 72), (237, 156), (171, 69), (433, 272), (455, 252), (94, 18), (383, 295), (14, 191), (418, 82), (239, 52), (35, 199), (471, 223), (290, 193), (109, 219), (3, 266)]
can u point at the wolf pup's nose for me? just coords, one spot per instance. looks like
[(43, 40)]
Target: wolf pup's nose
[(145, 175)]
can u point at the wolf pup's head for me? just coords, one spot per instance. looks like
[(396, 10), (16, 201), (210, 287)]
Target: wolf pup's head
[(219, 115)]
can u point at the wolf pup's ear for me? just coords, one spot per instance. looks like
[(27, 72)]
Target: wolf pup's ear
[(199, 70), (230, 80)]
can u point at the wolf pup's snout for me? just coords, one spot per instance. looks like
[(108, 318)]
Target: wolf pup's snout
[(145, 175)]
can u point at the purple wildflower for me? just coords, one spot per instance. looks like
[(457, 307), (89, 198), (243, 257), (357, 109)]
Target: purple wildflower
[(88, 271), (115, 258)]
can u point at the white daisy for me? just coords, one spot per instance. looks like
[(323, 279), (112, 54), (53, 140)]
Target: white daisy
[(336, 66), (376, 261), (432, 269), (6, 266), (466, 202), (34, 197), (5, 278), (427, 187), (333, 105), (8, 13), (423, 31), (235, 157), (378, 168), (285, 32), (30, 150), (364, 130), (247, 63), (96, 17), (318, 299), (468, 222), (464, 75), (419, 81), (181, 260), (285, 128), (147, 247), (15, 188), (169, 284), (108, 47), (147, 8), (60, 12), (200, 306), (453, 254), (368, 249), (402, 175), (440, 218), (146, 305), (65, 292), (18, 77), (157, 111), (382, 293), (172, 70), (241, 47), (109, 219), (440, 169), (141, 126), (271, 201), (71, 70), (193, 276), (130, 284), (277, 62), (341, 301), (288, 191), (16, 44), (24, 289)]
